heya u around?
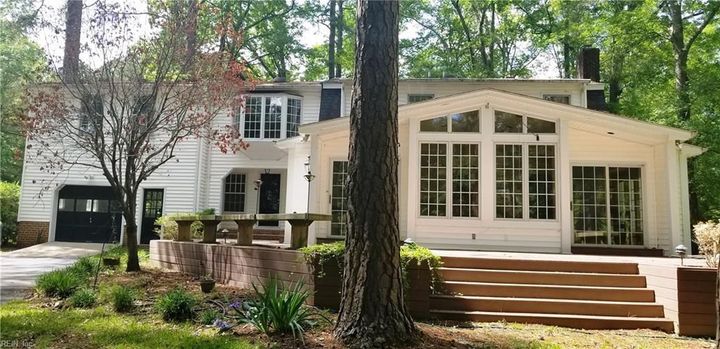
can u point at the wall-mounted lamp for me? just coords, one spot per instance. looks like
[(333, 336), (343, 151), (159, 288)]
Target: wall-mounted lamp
[(309, 178), (258, 185)]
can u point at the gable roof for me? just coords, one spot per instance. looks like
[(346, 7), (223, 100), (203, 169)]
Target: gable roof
[(583, 117)]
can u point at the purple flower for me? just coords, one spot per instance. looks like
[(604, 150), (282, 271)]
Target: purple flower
[(237, 305), (222, 325)]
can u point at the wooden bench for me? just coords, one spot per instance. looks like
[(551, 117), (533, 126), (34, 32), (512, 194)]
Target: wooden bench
[(299, 223)]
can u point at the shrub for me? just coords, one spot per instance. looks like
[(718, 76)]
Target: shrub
[(84, 266), (168, 228), (177, 305), (9, 198), (278, 308), (707, 236), (83, 298), (318, 255), (58, 283), (122, 298), (208, 316)]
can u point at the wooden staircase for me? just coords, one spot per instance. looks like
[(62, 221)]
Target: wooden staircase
[(588, 295)]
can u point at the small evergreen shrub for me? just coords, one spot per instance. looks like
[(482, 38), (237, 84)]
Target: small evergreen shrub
[(707, 236), (208, 316), (278, 308), (58, 283), (168, 228), (83, 298), (177, 305), (122, 298)]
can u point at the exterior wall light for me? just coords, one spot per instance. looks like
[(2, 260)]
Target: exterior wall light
[(309, 178), (258, 185)]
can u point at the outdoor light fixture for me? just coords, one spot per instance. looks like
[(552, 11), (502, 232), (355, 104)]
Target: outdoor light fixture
[(258, 184), (408, 241), (309, 178), (681, 251), (225, 231)]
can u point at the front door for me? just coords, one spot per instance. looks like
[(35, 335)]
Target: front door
[(152, 210), (269, 197)]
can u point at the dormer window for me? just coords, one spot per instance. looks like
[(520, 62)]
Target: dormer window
[(414, 98), (557, 98), (269, 116)]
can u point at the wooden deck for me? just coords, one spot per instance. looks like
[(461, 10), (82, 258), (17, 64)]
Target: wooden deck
[(590, 292), (628, 289)]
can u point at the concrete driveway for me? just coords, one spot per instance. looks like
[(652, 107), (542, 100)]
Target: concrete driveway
[(20, 268)]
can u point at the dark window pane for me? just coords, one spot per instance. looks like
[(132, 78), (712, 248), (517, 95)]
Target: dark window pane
[(438, 124), (508, 122)]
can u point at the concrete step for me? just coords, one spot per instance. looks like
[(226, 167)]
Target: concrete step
[(546, 306), (542, 277), (622, 294), (540, 265), (572, 321)]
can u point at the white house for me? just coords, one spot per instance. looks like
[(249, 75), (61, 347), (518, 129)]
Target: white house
[(492, 164)]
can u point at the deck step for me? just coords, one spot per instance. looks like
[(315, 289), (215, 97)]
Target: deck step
[(622, 294), (565, 320), (540, 265), (547, 306), (542, 277)]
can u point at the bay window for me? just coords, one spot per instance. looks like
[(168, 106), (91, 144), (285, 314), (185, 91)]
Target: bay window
[(273, 116)]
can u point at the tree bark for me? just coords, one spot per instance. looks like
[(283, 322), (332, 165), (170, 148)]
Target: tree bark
[(73, 26), (131, 228), (191, 31), (331, 41), (339, 44), (717, 307), (372, 311), (680, 52)]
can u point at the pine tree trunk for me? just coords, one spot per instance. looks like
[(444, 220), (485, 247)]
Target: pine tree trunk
[(717, 306), (331, 41), (339, 45), (372, 311), (73, 26), (191, 31), (677, 39)]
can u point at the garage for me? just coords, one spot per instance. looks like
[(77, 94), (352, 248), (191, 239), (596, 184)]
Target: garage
[(87, 214)]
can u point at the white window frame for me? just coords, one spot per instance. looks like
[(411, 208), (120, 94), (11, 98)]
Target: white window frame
[(330, 191), (448, 175), (644, 197), (244, 192), (239, 117), (525, 179)]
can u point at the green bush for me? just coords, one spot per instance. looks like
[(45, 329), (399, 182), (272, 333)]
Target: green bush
[(168, 228), (208, 316), (278, 308), (320, 254), (9, 198), (83, 298), (85, 266), (122, 298), (59, 283), (177, 305)]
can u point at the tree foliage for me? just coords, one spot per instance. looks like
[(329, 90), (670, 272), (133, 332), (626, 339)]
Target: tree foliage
[(125, 118)]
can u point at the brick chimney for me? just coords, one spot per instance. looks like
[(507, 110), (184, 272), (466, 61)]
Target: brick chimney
[(588, 67)]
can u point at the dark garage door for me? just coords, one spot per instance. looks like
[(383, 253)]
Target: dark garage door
[(87, 214)]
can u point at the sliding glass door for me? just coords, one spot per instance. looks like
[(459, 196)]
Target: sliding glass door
[(607, 205)]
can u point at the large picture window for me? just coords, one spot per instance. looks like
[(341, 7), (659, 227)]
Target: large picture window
[(516, 164), (338, 199), (607, 205), (461, 192), (234, 193)]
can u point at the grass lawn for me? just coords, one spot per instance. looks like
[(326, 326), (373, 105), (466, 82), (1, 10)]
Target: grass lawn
[(42, 322)]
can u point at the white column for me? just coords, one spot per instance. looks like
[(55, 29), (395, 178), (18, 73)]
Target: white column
[(564, 187)]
